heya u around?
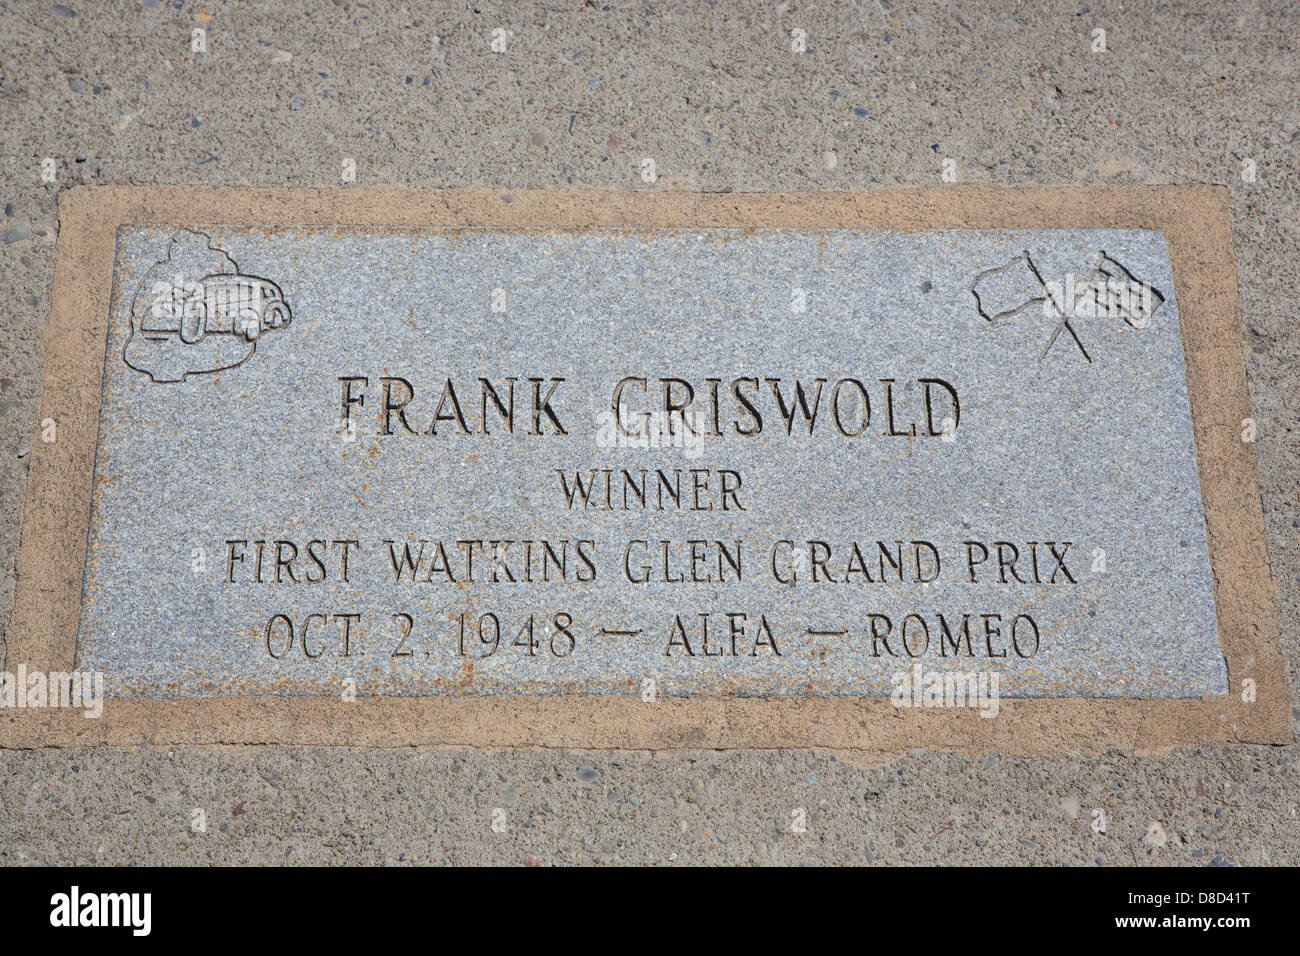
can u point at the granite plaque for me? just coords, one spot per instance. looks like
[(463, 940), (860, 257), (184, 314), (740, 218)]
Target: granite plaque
[(663, 459)]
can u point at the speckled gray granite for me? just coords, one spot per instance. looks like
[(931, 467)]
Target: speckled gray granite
[(1185, 92), (966, 484)]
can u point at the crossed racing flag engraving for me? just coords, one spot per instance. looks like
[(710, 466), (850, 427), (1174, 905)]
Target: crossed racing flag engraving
[(1108, 289)]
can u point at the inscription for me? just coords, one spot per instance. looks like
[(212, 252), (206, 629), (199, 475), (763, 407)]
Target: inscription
[(550, 463), (735, 408)]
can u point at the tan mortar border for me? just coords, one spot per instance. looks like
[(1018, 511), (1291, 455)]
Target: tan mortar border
[(1196, 224)]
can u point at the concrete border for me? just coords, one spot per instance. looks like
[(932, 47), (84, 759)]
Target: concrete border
[(1196, 224)]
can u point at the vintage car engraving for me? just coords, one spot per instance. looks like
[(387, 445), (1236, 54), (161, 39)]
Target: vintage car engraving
[(195, 312)]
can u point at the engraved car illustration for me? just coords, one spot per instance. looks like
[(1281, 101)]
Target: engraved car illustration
[(196, 312), (223, 304)]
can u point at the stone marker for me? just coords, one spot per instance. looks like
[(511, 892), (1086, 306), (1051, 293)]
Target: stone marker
[(648, 470)]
